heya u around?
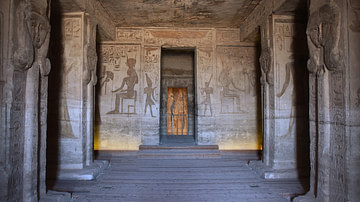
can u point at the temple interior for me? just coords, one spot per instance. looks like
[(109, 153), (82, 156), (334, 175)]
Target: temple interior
[(93, 91)]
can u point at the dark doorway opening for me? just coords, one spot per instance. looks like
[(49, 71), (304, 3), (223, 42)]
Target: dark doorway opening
[(177, 106)]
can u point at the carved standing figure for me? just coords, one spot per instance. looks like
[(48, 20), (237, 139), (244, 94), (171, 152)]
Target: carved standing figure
[(150, 94), (207, 90), (90, 66)]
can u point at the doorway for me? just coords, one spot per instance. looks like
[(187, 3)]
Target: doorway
[(177, 106)]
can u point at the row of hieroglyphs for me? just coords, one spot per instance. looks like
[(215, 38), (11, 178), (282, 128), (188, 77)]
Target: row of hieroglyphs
[(178, 37)]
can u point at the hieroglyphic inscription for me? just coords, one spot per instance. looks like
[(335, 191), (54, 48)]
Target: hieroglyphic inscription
[(337, 137), (151, 59), (205, 60), (129, 35), (176, 38), (17, 125)]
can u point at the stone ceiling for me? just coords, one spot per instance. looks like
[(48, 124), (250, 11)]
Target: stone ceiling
[(179, 13), (174, 13)]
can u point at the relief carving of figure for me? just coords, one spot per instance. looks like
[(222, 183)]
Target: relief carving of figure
[(24, 51), (150, 95), (207, 90), (130, 81), (39, 30), (105, 78), (226, 80), (355, 25), (323, 35), (265, 64), (90, 70)]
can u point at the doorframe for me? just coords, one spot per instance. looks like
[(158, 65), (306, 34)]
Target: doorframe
[(195, 121)]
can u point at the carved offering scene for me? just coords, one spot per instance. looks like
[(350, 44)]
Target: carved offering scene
[(119, 80), (236, 96), (236, 78), (119, 96)]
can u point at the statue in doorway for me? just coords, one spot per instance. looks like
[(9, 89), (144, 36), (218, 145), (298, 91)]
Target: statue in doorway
[(130, 81)]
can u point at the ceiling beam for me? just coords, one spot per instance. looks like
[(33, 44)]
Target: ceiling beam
[(258, 17), (106, 26)]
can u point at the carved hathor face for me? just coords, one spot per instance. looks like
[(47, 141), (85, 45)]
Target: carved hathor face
[(39, 28), (313, 30)]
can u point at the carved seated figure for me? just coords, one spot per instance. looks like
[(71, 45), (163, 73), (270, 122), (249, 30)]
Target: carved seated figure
[(128, 93)]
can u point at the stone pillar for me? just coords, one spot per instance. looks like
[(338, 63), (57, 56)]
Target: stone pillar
[(284, 97), (90, 80), (352, 100), (72, 125), (267, 92), (6, 76), (23, 95), (333, 39)]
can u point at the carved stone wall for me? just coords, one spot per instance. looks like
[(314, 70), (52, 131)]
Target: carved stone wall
[(217, 101)]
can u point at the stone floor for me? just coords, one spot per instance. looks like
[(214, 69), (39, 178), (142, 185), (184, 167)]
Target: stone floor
[(226, 177)]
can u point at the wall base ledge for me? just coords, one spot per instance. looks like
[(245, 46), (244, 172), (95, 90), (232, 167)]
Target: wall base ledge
[(267, 172), (88, 173)]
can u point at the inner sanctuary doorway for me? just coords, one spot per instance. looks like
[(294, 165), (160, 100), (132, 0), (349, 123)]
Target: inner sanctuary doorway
[(177, 104)]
